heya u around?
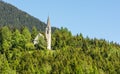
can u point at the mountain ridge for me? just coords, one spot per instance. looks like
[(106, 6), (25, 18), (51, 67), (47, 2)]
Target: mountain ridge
[(69, 55), (13, 17)]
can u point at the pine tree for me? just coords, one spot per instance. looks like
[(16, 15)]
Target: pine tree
[(6, 36), (34, 33)]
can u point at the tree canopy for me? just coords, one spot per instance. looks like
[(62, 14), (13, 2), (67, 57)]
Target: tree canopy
[(69, 55)]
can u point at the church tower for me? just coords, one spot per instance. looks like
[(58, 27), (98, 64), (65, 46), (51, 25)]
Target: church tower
[(48, 34)]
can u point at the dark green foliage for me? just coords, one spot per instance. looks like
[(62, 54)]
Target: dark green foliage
[(71, 54), (15, 18)]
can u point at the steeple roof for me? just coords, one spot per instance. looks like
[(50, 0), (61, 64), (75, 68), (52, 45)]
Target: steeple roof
[(48, 21)]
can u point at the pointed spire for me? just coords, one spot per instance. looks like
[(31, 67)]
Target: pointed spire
[(48, 34), (48, 21)]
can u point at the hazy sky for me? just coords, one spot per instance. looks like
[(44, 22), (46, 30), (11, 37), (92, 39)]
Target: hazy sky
[(92, 18)]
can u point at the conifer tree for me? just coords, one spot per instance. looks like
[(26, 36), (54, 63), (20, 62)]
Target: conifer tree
[(26, 33), (6, 36), (17, 39), (34, 33)]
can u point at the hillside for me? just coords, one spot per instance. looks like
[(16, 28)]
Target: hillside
[(13, 17), (69, 55)]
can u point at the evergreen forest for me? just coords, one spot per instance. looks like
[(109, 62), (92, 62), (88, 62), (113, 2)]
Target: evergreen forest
[(16, 18), (69, 55)]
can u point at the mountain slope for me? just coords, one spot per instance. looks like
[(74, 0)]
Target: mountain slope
[(13, 17), (69, 54)]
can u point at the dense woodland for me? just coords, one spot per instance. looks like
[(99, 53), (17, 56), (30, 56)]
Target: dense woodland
[(16, 18), (69, 55)]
